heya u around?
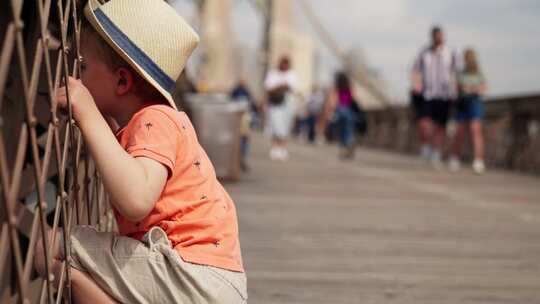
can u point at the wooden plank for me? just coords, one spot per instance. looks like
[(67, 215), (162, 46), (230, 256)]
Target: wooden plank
[(385, 228)]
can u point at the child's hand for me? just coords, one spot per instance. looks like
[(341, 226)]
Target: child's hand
[(79, 96)]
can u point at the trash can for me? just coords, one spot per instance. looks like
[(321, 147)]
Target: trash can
[(217, 121)]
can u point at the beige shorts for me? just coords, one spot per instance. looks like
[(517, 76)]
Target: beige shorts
[(150, 271)]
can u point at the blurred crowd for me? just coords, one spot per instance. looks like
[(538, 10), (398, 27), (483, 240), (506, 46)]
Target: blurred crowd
[(445, 85), (448, 85), (326, 115)]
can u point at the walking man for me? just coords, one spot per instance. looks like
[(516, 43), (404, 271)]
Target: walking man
[(434, 81)]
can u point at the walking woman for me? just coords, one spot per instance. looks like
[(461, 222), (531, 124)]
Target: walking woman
[(281, 88), (472, 86), (341, 101)]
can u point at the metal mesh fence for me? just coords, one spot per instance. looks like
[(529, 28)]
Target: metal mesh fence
[(48, 180)]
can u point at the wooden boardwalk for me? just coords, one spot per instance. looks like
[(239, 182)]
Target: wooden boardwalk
[(385, 228)]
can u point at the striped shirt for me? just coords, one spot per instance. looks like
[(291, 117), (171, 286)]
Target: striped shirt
[(438, 71)]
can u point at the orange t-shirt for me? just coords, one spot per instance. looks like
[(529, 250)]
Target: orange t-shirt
[(194, 210)]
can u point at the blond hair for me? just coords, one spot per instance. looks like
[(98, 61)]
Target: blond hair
[(471, 62)]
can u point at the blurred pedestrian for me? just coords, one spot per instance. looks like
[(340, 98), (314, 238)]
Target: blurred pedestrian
[(341, 101), (280, 85), (470, 111), (434, 88), (315, 106), (241, 93)]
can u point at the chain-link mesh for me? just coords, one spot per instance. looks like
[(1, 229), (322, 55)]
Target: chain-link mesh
[(47, 178)]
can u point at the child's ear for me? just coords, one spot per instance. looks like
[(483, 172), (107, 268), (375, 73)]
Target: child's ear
[(125, 81)]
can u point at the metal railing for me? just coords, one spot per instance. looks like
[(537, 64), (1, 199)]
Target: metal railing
[(511, 132), (47, 178)]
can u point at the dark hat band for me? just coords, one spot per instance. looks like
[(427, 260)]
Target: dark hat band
[(134, 52)]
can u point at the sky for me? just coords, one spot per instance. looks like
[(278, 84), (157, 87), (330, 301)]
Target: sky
[(390, 33)]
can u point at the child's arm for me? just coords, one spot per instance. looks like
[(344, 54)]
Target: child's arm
[(134, 184)]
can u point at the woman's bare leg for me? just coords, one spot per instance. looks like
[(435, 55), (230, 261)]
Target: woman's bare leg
[(477, 139)]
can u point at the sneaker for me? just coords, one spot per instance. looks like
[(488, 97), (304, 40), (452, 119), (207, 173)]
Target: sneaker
[(283, 154), (478, 166), (454, 164), (274, 153)]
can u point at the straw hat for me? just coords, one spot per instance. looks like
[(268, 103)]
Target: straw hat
[(149, 35)]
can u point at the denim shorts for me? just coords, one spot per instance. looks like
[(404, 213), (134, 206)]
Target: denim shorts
[(469, 108)]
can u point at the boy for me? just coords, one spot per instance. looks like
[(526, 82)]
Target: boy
[(178, 232)]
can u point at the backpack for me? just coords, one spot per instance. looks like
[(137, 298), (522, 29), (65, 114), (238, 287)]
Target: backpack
[(360, 118)]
